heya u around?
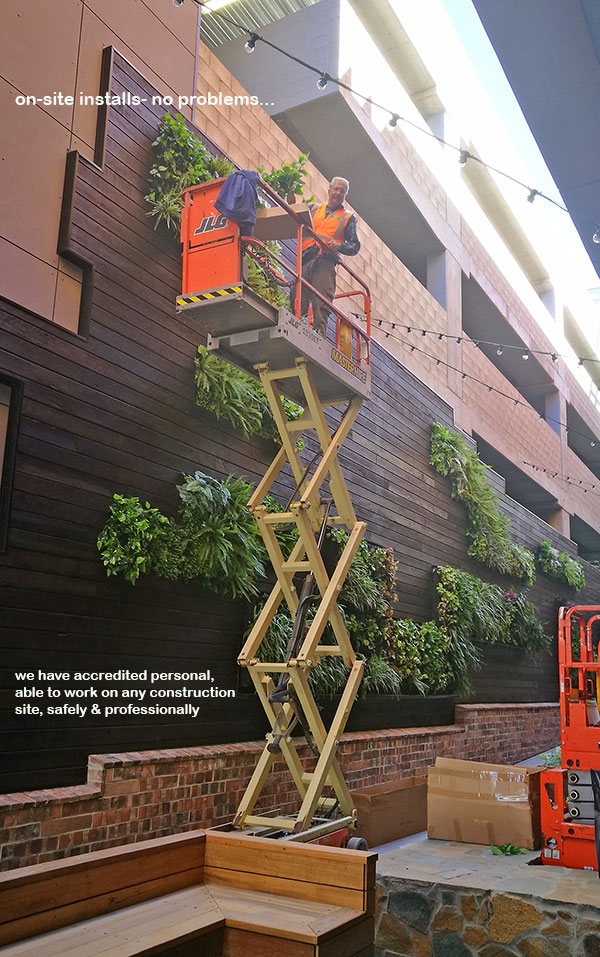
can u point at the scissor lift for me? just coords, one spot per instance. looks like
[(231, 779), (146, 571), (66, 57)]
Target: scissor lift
[(571, 837), (283, 351)]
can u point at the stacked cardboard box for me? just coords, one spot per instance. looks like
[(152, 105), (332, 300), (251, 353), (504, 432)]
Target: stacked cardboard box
[(479, 803)]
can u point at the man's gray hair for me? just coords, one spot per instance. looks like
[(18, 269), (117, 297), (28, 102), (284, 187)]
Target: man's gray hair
[(342, 180)]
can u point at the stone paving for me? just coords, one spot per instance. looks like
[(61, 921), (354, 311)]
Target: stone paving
[(446, 899)]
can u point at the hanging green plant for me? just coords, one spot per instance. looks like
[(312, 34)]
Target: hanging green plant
[(287, 178), (214, 539), (180, 160), (234, 395), (560, 565), (472, 612), (487, 527), (401, 655), (263, 281)]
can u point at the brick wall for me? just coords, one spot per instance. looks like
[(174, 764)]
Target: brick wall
[(137, 796)]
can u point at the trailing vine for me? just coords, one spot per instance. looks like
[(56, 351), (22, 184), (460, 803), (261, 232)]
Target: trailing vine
[(472, 612), (487, 528), (560, 565), (231, 394)]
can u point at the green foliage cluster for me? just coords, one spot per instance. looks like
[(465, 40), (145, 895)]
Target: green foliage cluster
[(263, 282), (506, 849), (472, 612), (552, 758), (560, 565), (180, 160), (401, 655), (232, 394), (488, 529), (214, 539), (288, 178)]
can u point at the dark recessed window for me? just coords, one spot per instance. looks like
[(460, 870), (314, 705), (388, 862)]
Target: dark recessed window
[(10, 407)]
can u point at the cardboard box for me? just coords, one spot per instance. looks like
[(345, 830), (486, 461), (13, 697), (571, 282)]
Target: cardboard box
[(391, 810), (274, 223), (477, 803)]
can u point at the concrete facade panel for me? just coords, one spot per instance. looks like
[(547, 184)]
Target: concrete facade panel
[(34, 147), (26, 280), (36, 61), (159, 54)]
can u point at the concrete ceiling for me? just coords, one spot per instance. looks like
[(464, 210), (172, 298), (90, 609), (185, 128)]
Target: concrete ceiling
[(550, 52)]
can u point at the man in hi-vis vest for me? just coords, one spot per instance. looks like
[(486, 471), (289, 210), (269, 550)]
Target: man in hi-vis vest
[(337, 227)]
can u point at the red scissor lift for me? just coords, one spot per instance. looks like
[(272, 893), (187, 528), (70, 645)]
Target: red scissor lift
[(278, 346), (567, 798)]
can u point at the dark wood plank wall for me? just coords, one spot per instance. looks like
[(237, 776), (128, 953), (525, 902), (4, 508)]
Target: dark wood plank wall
[(115, 411)]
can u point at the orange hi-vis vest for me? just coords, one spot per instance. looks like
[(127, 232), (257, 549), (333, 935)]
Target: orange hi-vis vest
[(332, 225)]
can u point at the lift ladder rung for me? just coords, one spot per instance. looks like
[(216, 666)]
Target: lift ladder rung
[(302, 566), (257, 820)]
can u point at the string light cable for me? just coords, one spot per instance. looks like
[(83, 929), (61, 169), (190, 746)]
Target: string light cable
[(324, 78), (490, 388), (499, 346), (580, 484)]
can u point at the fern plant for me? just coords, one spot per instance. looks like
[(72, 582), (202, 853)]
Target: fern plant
[(487, 528), (231, 394)]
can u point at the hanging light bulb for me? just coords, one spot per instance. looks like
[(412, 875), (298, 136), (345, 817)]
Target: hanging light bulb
[(596, 236), (499, 350), (525, 355), (463, 157), (323, 81), (532, 194), (250, 43), (554, 357), (394, 120), (593, 443)]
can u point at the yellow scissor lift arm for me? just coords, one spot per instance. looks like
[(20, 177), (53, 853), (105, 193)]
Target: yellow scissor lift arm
[(290, 358)]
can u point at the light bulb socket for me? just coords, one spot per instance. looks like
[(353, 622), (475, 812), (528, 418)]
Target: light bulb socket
[(463, 156), (394, 120), (250, 43), (323, 81)]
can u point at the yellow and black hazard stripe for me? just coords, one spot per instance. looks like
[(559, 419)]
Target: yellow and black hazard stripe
[(204, 296)]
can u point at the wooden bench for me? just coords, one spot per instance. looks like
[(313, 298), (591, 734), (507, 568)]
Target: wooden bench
[(198, 893)]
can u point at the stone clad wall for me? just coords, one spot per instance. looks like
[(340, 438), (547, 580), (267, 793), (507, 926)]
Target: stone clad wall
[(137, 796), (416, 919)]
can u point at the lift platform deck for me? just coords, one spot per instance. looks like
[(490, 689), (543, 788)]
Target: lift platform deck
[(337, 378)]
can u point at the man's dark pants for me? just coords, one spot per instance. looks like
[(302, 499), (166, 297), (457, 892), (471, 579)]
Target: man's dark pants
[(320, 273)]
